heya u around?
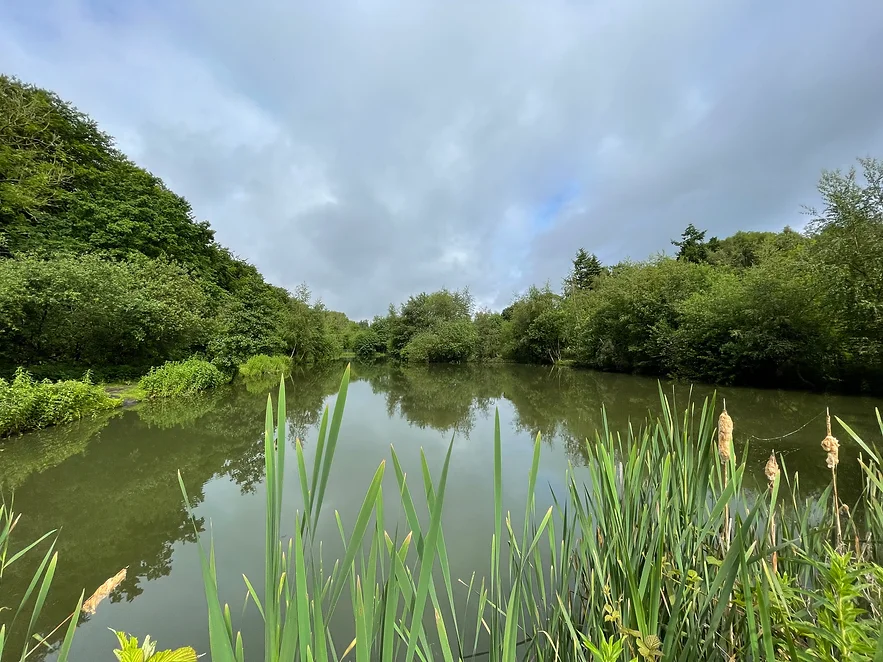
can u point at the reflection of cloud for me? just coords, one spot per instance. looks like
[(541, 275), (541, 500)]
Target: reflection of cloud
[(363, 146)]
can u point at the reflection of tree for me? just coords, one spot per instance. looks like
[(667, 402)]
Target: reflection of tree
[(566, 406), (117, 504), (22, 456), (443, 397)]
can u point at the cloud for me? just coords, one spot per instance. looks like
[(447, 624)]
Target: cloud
[(384, 148)]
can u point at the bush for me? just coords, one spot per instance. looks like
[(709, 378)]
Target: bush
[(181, 378), (537, 327), (82, 310), (367, 343), (27, 404), (627, 323), (262, 365), (765, 326), (450, 342)]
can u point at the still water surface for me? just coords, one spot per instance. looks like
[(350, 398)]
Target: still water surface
[(110, 485)]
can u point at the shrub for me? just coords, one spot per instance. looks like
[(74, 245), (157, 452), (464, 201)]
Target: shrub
[(367, 343), (628, 321), (450, 342), (83, 310), (181, 378), (764, 326), (27, 404), (262, 365)]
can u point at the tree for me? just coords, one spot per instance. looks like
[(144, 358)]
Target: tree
[(425, 312), (692, 247), (536, 330), (586, 269), (847, 256)]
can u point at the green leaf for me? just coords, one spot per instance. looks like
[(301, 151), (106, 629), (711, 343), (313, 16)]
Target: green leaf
[(186, 654)]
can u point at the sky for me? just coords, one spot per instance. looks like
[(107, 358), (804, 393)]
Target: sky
[(376, 149)]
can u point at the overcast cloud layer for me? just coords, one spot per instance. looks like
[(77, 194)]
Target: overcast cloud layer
[(375, 149)]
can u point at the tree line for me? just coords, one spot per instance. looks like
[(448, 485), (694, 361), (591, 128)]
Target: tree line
[(103, 267), (792, 309)]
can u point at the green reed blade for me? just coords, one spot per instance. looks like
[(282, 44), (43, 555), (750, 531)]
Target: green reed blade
[(250, 592), (407, 501), (354, 543), (333, 434), (442, 551), (65, 648), (427, 560), (272, 565), (12, 559), (317, 460), (34, 581), (443, 637), (220, 645), (40, 600)]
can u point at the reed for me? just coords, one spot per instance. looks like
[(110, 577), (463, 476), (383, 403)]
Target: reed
[(627, 565), (41, 583)]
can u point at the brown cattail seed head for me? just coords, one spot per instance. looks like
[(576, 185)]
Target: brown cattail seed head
[(831, 446), (724, 435), (772, 469)]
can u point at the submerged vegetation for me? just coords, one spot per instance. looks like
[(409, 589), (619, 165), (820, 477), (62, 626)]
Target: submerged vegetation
[(28, 404), (181, 378)]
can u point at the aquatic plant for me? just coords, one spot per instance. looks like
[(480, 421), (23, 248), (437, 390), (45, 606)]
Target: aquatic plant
[(181, 378), (41, 583), (27, 404), (637, 563)]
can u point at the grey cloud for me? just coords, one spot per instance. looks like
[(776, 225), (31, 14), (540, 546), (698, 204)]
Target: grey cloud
[(398, 146)]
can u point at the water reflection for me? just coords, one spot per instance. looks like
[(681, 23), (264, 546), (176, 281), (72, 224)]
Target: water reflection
[(110, 483), (567, 407)]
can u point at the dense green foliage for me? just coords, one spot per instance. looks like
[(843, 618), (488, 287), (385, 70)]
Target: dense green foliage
[(181, 378), (85, 310), (27, 404), (262, 365), (101, 266)]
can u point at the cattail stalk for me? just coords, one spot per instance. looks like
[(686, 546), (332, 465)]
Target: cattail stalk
[(772, 473), (832, 447), (724, 444)]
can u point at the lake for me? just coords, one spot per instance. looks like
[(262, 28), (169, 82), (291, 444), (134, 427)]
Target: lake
[(110, 484)]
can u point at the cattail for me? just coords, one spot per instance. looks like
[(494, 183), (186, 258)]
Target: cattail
[(724, 435), (724, 443), (772, 469), (772, 473), (832, 447)]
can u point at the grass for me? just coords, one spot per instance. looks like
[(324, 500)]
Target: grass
[(181, 378), (261, 365), (27, 404), (655, 557)]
